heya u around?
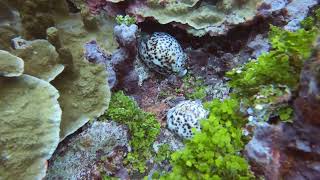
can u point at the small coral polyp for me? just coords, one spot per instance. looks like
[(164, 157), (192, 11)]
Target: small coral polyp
[(162, 53), (186, 116)]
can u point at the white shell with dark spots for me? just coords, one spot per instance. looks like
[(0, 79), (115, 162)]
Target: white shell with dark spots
[(163, 54), (185, 116)]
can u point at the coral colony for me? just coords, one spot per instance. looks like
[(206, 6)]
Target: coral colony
[(159, 89)]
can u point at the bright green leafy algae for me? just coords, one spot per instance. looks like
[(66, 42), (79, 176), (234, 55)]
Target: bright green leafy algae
[(163, 153), (143, 127), (273, 98), (281, 66), (162, 159), (274, 74), (213, 152), (308, 23), (194, 87), (127, 20)]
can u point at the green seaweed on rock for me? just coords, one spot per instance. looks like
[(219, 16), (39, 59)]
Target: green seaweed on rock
[(280, 66), (127, 20), (213, 152), (143, 127), (274, 75)]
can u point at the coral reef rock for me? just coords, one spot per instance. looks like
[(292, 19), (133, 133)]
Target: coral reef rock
[(83, 86), (10, 65), (40, 59), (295, 11), (162, 53), (291, 150), (126, 35), (259, 45), (30, 123), (185, 116), (167, 137), (77, 158), (85, 95), (94, 54), (33, 119), (197, 17)]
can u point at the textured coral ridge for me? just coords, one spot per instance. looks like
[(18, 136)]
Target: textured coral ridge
[(32, 118), (10, 65), (162, 53), (27, 138), (41, 59), (200, 17), (185, 116)]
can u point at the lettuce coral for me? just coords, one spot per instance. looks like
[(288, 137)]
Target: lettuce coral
[(29, 126), (83, 86), (85, 95), (10, 65), (33, 124), (200, 17), (41, 60)]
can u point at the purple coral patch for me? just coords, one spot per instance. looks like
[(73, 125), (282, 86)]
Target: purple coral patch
[(94, 54)]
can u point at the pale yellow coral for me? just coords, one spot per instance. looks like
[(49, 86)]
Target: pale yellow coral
[(207, 17), (41, 60), (29, 119), (10, 65)]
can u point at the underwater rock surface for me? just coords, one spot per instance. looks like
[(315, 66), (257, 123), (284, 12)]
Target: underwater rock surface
[(291, 151), (79, 156), (84, 51), (95, 55)]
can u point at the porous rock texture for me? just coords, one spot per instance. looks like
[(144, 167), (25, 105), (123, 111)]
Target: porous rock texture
[(95, 54), (126, 35), (79, 157), (294, 11)]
